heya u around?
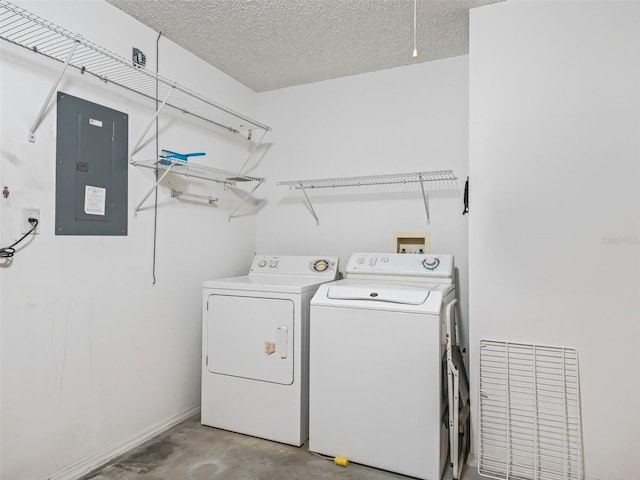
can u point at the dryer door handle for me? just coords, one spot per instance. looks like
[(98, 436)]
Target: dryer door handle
[(282, 341)]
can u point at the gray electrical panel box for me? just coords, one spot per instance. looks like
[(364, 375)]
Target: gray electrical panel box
[(91, 168)]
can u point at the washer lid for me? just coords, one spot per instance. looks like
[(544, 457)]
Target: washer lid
[(389, 293)]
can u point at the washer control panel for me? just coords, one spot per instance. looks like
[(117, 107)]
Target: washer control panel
[(295, 265), (400, 265)]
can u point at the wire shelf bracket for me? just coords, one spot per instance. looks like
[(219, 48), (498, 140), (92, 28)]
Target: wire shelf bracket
[(313, 212), (253, 150), (394, 178), (243, 201), (136, 147), (27, 30), (146, 195), (47, 100)]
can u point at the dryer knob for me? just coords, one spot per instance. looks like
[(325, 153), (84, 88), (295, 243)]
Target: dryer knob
[(320, 265), (262, 263), (273, 263)]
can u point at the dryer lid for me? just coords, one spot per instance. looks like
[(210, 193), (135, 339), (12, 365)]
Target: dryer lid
[(389, 293)]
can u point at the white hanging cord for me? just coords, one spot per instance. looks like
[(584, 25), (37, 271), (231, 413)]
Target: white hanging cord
[(415, 49)]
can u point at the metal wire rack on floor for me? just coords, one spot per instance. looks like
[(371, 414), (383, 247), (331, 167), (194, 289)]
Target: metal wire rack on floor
[(530, 424)]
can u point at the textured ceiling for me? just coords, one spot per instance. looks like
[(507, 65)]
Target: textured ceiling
[(270, 44)]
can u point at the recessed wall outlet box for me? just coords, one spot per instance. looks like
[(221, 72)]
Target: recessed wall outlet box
[(412, 242), (28, 213)]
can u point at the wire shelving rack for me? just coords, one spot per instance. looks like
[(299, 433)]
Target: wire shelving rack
[(25, 29), (422, 178), (195, 170)]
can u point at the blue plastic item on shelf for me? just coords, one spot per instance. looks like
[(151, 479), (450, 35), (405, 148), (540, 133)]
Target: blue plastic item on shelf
[(167, 155)]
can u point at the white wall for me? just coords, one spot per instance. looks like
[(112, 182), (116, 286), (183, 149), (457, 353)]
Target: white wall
[(400, 120), (94, 355), (554, 228)]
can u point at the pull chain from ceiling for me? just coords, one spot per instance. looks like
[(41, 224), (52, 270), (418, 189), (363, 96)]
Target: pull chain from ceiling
[(415, 48)]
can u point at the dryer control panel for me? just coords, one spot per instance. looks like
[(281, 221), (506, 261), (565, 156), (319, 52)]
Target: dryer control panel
[(438, 267), (326, 267)]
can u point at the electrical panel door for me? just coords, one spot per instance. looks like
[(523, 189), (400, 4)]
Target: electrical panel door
[(91, 168)]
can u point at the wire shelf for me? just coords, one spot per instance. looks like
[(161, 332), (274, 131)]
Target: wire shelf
[(386, 179), (434, 177), (27, 30), (194, 170)]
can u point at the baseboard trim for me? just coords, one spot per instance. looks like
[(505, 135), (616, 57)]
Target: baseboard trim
[(89, 464)]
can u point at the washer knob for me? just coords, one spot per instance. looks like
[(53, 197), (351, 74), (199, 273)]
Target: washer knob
[(431, 263), (262, 263), (273, 263)]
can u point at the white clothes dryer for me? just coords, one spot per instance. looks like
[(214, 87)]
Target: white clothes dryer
[(376, 384), (255, 341)]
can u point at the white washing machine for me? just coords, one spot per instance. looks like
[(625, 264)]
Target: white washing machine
[(255, 341), (377, 339)]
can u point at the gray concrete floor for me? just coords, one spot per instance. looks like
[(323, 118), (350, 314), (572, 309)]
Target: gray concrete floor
[(190, 451)]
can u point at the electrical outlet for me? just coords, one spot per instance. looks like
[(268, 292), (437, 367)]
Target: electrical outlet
[(28, 213)]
